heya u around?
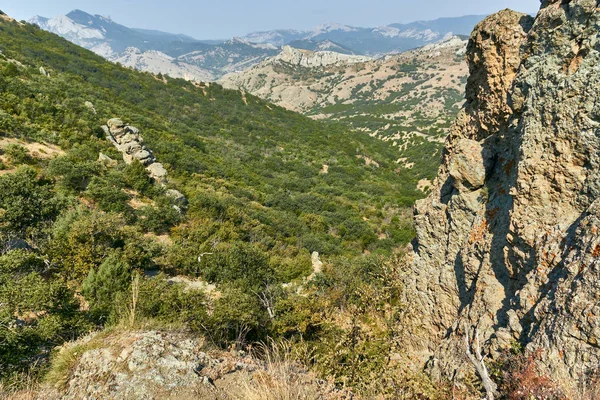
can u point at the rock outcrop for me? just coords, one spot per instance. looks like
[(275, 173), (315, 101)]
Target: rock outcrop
[(507, 243), (309, 59), (129, 142), (173, 365)]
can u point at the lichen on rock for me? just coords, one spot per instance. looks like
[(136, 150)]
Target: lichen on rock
[(507, 242)]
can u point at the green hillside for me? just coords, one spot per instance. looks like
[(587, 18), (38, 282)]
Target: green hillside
[(266, 188)]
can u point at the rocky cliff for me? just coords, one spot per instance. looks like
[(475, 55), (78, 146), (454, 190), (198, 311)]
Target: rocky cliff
[(507, 243), (309, 59)]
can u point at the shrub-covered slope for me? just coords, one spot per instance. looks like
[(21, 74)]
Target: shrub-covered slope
[(266, 188)]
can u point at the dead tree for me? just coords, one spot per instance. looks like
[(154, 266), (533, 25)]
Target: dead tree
[(477, 359)]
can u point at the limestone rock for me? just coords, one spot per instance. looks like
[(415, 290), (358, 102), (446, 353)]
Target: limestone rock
[(177, 198), (512, 247), (90, 105), (129, 142), (468, 165), (169, 365), (157, 171), (106, 160), (309, 59), (115, 123)]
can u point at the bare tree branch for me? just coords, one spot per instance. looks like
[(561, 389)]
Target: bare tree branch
[(478, 362)]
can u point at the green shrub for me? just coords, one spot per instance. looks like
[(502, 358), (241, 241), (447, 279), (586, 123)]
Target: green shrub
[(37, 313), (17, 154), (103, 286), (26, 201)]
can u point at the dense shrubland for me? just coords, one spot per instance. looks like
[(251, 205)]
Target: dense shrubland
[(88, 243)]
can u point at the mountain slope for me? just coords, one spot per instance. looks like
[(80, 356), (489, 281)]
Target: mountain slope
[(206, 60), (265, 188), (325, 45), (408, 100), (136, 48)]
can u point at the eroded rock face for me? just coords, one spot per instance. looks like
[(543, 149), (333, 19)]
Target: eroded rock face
[(309, 59), (508, 240), (128, 141)]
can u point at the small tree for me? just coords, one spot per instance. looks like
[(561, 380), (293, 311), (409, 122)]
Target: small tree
[(101, 287)]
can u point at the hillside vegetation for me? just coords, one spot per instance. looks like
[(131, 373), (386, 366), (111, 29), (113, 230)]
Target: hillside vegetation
[(407, 100), (89, 241)]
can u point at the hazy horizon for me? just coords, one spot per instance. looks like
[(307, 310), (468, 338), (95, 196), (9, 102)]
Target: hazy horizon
[(205, 21)]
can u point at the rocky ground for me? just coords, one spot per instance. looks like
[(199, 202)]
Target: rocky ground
[(167, 364)]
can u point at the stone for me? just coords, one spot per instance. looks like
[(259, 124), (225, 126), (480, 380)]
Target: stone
[(176, 197), (43, 72), (157, 171), (106, 160), (170, 364), (130, 147), (468, 165), (508, 241), (133, 130), (91, 107), (115, 123), (310, 59)]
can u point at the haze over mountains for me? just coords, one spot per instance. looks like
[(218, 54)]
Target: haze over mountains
[(182, 56)]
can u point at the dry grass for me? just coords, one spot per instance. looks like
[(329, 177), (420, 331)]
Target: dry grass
[(282, 378), (28, 389)]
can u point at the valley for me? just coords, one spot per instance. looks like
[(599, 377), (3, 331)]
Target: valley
[(336, 213), (408, 100)]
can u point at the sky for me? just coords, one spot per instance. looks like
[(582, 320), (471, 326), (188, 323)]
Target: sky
[(220, 19)]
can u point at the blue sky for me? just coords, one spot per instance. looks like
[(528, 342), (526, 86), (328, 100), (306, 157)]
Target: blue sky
[(213, 19)]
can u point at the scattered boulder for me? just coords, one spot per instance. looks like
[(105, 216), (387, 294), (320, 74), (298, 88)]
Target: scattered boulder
[(177, 198), (90, 105), (43, 72), (157, 172), (106, 160), (16, 244)]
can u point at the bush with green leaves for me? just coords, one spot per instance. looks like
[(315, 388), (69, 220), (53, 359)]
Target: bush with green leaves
[(37, 313), (160, 217), (241, 264), (26, 202), (103, 286), (17, 154)]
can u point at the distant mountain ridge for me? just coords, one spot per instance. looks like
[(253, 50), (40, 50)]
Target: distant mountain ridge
[(182, 56), (177, 55), (394, 38)]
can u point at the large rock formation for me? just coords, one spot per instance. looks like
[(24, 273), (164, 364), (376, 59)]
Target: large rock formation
[(129, 142), (507, 242), (309, 59)]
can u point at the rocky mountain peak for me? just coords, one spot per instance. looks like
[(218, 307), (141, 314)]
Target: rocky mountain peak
[(507, 242), (306, 58)]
